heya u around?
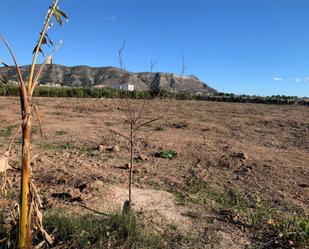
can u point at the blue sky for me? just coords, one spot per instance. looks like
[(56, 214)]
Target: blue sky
[(242, 46)]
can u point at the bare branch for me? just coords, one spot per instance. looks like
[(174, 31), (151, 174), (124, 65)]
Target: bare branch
[(21, 81), (152, 64), (141, 112), (126, 106), (120, 56), (119, 134), (150, 121), (4, 64), (183, 66)]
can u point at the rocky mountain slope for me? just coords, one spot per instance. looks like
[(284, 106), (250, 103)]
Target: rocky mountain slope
[(111, 77)]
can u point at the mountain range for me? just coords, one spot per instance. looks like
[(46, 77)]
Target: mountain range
[(85, 76)]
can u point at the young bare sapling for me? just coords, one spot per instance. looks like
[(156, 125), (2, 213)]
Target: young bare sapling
[(138, 114), (29, 199)]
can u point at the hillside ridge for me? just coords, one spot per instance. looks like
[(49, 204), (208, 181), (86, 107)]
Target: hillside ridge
[(85, 76)]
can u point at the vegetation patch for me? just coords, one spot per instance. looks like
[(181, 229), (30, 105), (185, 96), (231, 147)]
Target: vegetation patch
[(166, 154), (91, 231), (61, 132), (2, 230), (8, 131), (8, 231), (68, 146), (272, 228), (285, 231)]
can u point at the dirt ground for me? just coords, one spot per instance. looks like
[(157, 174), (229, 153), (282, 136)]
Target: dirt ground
[(261, 150)]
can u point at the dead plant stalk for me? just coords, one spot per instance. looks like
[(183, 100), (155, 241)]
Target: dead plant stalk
[(27, 108)]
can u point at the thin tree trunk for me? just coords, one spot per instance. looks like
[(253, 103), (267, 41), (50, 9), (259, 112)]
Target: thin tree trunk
[(131, 166), (25, 235)]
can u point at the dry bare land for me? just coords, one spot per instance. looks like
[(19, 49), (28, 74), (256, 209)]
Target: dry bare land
[(240, 178)]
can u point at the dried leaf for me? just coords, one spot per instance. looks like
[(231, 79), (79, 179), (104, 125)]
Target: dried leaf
[(35, 108), (40, 50), (63, 14), (38, 216), (44, 40), (4, 64), (21, 83), (4, 164), (58, 17), (58, 14), (48, 39)]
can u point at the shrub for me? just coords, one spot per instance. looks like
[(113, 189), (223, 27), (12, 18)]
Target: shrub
[(166, 154)]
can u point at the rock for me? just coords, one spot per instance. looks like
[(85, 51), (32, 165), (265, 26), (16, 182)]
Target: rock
[(142, 157), (97, 184), (76, 199), (205, 129), (63, 179), (225, 161), (62, 195), (115, 148), (246, 170), (303, 185), (43, 159), (136, 171), (82, 186), (101, 148), (128, 166), (240, 155)]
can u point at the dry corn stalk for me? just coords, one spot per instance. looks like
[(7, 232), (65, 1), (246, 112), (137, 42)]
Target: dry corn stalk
[(27, 198)]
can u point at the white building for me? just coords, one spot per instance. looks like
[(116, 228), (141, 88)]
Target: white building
[(125, 87)]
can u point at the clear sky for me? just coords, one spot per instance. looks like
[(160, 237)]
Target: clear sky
[(242, 46)]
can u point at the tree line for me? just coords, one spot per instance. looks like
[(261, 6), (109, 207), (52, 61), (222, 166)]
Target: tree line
[(92, 92)]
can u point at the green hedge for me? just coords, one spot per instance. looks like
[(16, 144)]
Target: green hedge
[(91, 92), (74, 92)]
